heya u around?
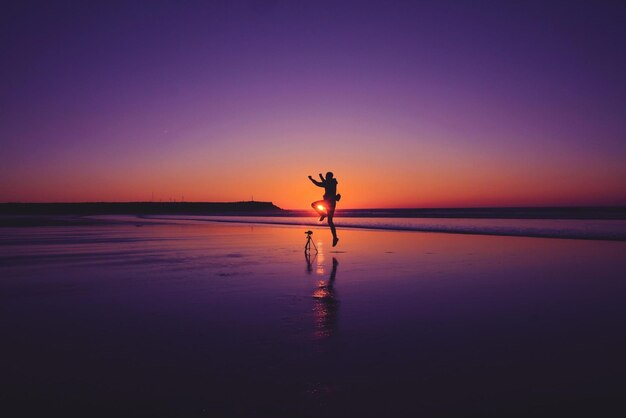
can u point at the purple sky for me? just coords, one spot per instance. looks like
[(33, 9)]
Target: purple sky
[(522, 104)]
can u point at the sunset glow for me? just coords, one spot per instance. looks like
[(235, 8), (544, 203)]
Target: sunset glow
[(409, 105)]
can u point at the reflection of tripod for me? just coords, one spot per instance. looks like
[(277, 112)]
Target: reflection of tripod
[(309, 261), (309, 241)]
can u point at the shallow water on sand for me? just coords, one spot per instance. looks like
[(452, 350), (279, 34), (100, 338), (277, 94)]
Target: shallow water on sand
[(209, 319)]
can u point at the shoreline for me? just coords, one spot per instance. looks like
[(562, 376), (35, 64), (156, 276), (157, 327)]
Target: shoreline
[(594, 230)]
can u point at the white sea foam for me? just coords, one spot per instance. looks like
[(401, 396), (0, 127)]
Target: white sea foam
[(548, 228)]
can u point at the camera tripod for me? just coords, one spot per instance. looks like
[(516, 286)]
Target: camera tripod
[(309, 241)]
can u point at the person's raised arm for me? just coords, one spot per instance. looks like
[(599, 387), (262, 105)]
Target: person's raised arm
[(322, 177), (317, 183)]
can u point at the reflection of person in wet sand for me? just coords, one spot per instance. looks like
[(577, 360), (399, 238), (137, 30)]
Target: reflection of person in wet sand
[(326, 208), (326, 305)]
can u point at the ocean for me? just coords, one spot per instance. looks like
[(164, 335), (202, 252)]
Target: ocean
[(477, 222)]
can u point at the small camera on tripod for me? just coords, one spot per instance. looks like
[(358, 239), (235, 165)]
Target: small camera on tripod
[(309, 241)]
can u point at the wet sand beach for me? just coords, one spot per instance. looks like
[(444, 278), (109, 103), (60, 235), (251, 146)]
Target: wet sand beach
[(188, 318)]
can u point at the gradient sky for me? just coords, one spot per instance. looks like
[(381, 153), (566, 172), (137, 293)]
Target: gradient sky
[(411, 104)]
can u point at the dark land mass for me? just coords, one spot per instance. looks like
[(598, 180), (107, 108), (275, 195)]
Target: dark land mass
[(144, 208), (50, 214)]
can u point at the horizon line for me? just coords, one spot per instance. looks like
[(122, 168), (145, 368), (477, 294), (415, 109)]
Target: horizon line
[(305, 208)]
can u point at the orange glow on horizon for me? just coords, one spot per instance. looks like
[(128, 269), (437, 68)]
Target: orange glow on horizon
[(378, 178)]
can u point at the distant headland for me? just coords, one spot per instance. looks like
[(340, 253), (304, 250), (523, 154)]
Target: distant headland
[(139, 208)]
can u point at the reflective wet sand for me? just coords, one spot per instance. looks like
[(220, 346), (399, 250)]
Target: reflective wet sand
[(203, 319)]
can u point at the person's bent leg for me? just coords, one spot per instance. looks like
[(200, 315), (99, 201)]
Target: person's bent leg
[(315, 205), (333, 230)]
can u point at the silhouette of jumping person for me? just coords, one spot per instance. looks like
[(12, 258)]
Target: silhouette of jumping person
[(326, 208)]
